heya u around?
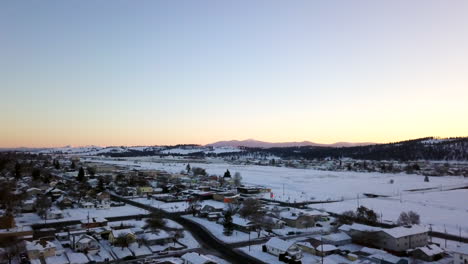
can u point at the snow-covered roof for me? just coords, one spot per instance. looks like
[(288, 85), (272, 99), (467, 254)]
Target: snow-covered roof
[(279, 243), (196, 258), (241, 221), (120, 232), (359, 227), (153, 236), (77, 258), (431, 250), (139, 250), (59, 259), (39, 245), (325, 248), (305, 244), (385, 256), (402, 231), (337, 237), (85, 239)]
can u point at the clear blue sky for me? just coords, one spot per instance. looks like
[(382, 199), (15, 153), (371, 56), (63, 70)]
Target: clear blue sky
[(166, 72)]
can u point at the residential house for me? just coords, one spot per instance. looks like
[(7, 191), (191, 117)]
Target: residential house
[(325, 250), (33, 192), (144, 190), (306, 247), (428, 253), (207, 209), (93, 222), (337, 239), (86, 243), (402, 238), (277, 246), (103, 197), (225, 197), (40, 248), (460, 254), (196, 258), (297, 218), (64, 202), (114, 234), (397, 239), (242, 224), (77, 258), (386, 258), (54, 214), (87, 205), (160, 238)]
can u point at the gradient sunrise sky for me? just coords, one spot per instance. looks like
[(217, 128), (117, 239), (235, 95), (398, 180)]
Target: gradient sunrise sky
[(168, 72)]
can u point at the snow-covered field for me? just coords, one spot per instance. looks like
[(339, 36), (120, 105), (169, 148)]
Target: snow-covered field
[(436, 206), (439, 209), (309, 184)]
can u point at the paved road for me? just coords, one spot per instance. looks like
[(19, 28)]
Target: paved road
[(208, 242)]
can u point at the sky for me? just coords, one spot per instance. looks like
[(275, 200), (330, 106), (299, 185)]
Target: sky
[(114, 72)]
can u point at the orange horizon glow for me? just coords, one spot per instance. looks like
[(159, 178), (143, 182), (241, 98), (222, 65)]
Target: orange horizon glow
[(117, 73)]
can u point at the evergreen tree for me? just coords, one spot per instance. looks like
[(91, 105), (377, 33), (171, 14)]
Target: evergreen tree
[(426, 179), (56, 164), (18, 170), (36, 174), (227, 174), (73, 165), (227, 223), (81, 175), (188, 168)]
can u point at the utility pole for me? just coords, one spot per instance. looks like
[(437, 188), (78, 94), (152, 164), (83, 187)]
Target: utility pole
[(321, 244), (430, 232), (358, 200), (445, 230), (249, 240)]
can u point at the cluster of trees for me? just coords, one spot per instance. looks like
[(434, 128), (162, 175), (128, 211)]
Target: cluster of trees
[(362, 215), (250, 209), (417, 149)]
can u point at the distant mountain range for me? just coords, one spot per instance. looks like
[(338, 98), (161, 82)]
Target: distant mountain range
[(252, 143)]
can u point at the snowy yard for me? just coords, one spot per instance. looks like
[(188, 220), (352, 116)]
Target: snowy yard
[(437, 208), (176, 206), (217, 230), (80, 214)]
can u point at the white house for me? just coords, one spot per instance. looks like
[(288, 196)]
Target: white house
[(54, 214), (86, 243), (87, 205), (337, 239), (277, 246), (196, 258), (460, 255)]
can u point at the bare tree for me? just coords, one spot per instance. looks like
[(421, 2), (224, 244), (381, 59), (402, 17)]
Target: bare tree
[(155, 222), (408, 218), (122, 240), (250, 207), (237, 179), (43, 204)]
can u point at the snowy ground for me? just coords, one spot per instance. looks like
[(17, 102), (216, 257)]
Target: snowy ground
[(176, 206), (309, 184), (256, 252), (80, 214), (217, 230), (436, 208)]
